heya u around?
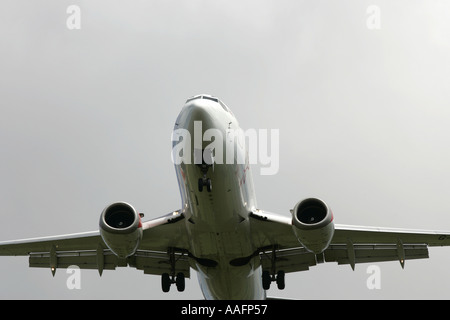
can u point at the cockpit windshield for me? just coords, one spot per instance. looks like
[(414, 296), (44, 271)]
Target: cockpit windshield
[(209, 97)]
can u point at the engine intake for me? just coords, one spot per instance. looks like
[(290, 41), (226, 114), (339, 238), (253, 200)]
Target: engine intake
[(313, 225), (121, 229)]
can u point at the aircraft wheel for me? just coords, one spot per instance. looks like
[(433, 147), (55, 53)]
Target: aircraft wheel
[(180, 282), (200, 184), (208, 185), (165, 282), (280, 280), (266, 280)]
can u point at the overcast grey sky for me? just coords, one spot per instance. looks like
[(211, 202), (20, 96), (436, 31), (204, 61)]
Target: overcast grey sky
[(86, 118)]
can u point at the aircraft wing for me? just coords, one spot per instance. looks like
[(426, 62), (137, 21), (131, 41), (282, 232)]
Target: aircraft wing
[(350, 244), (88, 251)]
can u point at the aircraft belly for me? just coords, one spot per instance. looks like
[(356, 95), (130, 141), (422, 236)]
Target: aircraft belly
[(232, 283), (226, 280), (222, 246)]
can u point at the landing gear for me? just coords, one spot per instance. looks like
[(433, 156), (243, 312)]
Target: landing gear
[(273, 276), (168, 279), (204, 166), (267, 279), (204, 182)]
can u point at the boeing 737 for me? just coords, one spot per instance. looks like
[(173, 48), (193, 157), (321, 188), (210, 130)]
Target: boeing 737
[(237, 249)]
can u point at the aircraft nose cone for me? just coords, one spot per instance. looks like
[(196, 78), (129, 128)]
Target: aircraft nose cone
[(202, 110), (201, 107)]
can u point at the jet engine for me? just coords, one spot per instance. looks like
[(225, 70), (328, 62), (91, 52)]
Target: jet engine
[(313, 225), (121, 228)]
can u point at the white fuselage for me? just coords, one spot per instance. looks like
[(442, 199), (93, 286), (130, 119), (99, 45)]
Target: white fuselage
[(217, 220)]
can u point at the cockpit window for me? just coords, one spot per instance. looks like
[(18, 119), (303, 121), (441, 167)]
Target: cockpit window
[(193, 98), (224, 106), (201, 96), (211, 98)]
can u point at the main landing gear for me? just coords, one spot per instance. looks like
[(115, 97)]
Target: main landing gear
[(273, 275), (267, 279), (168, 279)]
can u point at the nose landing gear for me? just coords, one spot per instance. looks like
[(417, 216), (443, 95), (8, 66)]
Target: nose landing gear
[(204, 166), (204, 182)]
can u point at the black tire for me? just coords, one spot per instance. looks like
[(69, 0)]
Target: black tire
[(280, 280), (200, 184), (208, 185), (165, 282), (180, 282), (266, 280)]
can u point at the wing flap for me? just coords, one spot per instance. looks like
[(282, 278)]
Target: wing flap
[(352, 254), (151, 262), (299, 259), (289, 260), (157, 263), (87, 259)]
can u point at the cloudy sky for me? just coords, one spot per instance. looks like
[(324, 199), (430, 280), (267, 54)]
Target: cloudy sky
[(363, 116)]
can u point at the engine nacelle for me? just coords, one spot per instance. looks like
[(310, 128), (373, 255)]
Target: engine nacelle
[(121, 228), (313, 224)]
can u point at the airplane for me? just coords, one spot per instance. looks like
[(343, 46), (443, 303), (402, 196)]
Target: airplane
[(237, 249)]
